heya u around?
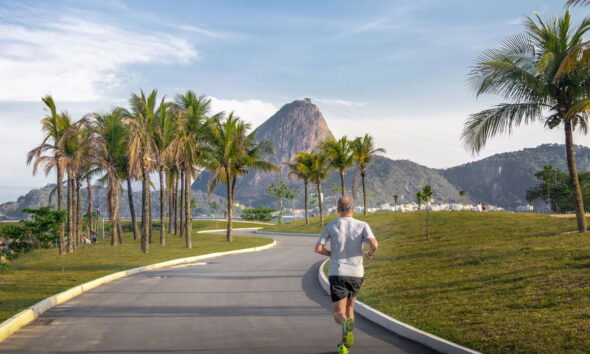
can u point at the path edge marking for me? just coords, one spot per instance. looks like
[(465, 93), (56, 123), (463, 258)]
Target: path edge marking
[(400, 328), (21, 319)]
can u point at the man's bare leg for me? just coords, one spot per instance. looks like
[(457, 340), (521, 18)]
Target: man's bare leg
[(339, 311), (350, 308)]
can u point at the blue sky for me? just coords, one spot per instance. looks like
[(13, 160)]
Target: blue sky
[(394, 69)]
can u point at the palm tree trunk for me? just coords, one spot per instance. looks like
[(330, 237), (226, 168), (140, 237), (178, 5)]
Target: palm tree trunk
[(182, 202), (60, 204), (229, 235), (187, 210), (364, 194), (69, 221), (144, 210), (175, 204), (78, 210), (90, 210), (119, 225), (319, 187), (113, 216), (132, 209), (305, 201), (571, 163), (170, 199), (73, 230), (162, 208), (149, 210), (342, 181)]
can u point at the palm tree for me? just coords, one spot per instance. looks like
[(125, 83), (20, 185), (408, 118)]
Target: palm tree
[(319, 171), (140, 121), (163, 135), (363, 151), (110, 155), (301, 168), (53, 126), (540, 79), (578, 2), (233, 152), (339, 153), (186, 147)]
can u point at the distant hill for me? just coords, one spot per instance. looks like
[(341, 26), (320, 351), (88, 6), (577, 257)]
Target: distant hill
[(40, 197), (503, 179)]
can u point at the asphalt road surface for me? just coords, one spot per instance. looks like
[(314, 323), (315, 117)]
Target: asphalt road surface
[(266, 302)]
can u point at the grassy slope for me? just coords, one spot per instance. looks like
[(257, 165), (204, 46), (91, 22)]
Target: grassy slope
[(37, 275), (495, 282)]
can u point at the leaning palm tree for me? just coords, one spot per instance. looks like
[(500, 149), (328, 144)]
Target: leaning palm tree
[(339, 153), (233, 152), (53, 126), (301, 168), (528, 71), (319, 171), (140, 121), (363, 151)]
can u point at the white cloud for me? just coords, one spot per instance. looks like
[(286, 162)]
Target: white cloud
[(340, 102), (76, 59), (253, 111)]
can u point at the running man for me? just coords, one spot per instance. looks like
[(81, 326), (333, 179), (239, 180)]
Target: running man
[(346, 236)]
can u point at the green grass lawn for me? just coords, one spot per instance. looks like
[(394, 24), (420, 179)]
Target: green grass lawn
[(38, 274), (495, 282)]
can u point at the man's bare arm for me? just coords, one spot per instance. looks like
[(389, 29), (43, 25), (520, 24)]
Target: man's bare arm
[(319, 248), (374, 245)]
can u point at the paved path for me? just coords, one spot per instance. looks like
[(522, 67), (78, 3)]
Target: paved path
[(267, 302)]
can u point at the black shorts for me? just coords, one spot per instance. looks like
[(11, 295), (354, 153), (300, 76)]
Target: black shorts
[(344, 287)]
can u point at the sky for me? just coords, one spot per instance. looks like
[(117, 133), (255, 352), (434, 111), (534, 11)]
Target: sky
[(394, 69)]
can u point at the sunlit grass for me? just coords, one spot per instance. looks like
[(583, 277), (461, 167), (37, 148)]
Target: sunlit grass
[(495, 282), (36, 275)]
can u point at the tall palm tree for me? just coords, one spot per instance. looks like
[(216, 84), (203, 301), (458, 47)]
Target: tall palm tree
[(164, 133), (319, 171), (233, 152), (110, 155), (301, 168), (339, 154), (53, 126), (186, 145), (363, 151), (140, 120), (528, 71)]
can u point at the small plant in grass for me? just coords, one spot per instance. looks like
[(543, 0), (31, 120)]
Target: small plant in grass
[(426, 196), (395, 198)]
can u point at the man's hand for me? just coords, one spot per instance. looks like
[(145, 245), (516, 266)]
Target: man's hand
[(319, 248), (368, 254)]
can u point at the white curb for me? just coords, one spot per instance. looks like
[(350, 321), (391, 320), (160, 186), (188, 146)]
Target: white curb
[(222, 230), (398, 327), (22, 318), (285, 233)]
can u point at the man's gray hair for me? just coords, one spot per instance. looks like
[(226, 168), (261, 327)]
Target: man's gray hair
[(344, 204)]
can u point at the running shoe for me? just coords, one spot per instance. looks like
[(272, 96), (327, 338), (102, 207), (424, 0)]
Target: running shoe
[(342, 349), (347, 336)]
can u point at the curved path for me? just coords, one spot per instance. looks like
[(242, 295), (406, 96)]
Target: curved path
[(267, 302)]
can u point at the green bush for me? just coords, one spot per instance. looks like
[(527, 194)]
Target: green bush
[(258, 214)]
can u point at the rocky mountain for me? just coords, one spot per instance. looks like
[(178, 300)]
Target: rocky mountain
[(297, 126), (503, 179)]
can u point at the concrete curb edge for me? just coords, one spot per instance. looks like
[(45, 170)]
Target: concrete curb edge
[(398, 327), (285, 233), (21, 319)]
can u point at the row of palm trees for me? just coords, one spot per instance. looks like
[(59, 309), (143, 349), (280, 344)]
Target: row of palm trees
[(338, 154), (176, 140)]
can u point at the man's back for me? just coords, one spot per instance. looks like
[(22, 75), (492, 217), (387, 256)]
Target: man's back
[(346, 236)]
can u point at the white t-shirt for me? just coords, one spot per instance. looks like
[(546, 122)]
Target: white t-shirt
[(346, 236)]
